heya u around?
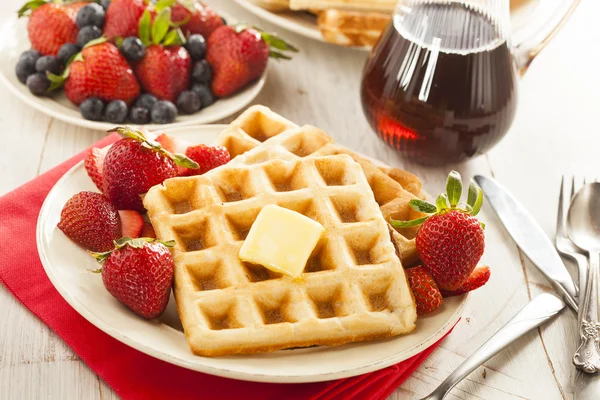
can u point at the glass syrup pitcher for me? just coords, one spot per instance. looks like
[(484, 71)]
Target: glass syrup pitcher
[(440, 86)]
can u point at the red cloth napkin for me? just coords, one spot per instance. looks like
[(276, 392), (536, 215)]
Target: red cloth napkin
[(132, 374)]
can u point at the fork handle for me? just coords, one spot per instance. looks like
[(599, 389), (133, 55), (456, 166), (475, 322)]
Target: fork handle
[(587, 356)]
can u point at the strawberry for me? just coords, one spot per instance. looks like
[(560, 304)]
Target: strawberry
[(165, 71), (239, 56), (172, 144), (132, 223), (133, 165), (139, 273), (90, 220), (477, 279), (450, 240), (99, 70), (122, 18), (425, 291), (93, 162), (207, 157), (200, 18), (148, 231), (51, 25)]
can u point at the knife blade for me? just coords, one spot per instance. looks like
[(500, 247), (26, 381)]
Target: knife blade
[(529, 237)]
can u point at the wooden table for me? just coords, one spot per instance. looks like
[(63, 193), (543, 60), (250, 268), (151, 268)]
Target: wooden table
[(555, 132)]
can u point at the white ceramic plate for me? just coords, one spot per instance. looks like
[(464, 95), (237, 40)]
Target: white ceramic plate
[(305, 24), (67, 267), (58, 106)]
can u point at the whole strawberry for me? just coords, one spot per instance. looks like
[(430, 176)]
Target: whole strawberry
[(98, 71), (207, 157), (450, 241), (133, 165), (198, 18), (238, 55), (165, 69), (122, 17), (139, 273), (50, 24), (90, 220), (425, 291)]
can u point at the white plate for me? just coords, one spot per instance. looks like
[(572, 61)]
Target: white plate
[(67, 267), (305, 24), (60, 107)]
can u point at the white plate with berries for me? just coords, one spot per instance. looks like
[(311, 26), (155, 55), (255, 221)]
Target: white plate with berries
[(70, 267), (154, 75)]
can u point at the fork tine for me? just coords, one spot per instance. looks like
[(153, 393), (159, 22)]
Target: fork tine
[(572, 189)]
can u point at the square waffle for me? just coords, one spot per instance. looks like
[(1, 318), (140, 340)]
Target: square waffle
[(353, 287), (259, 134)]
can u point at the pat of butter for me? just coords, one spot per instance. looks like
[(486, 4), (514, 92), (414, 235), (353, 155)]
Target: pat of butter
[(281, 240)]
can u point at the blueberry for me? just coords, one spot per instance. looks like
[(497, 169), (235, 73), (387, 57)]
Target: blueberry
[(92, 108), (31, 55), (163, 112), (188, 102), (206, 95), (196, 46), (48, 64), (105, 4), (132, 48), (38, 84), (90, 15), (25, 67), (116, 112), (87, 34), (67, 51), (202, 72), (146, 100), (139, 115)]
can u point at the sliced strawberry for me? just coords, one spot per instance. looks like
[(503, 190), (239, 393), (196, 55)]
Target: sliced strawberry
[(477, 279), (207, 157), (90, 220), (172, 144), (93, 163), (148, 231), (425, 290), (132, 223)]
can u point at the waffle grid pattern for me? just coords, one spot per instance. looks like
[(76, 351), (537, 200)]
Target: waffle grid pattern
[(260, 134), (353, 287)]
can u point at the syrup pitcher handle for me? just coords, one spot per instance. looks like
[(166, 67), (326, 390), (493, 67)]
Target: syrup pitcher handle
[(550, 17)]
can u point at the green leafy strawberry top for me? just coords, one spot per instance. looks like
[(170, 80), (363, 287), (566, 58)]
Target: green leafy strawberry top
[(162, 30), (445, 202), (276, 44), (178, 158), (137, 243)]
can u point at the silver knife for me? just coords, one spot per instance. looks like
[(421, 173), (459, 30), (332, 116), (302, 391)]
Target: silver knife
[(530, 238)]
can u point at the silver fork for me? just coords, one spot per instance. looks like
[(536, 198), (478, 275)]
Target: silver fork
[(564, 245)]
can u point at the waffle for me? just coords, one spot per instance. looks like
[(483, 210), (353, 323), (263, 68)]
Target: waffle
[(272, 5), (386, 6), (352, 28), (259, 134), (353, 287)]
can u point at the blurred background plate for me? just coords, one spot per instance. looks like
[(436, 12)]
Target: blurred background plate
[(305, 24), (14, 42)]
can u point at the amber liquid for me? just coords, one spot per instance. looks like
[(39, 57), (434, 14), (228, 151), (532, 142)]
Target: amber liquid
[(443, 90)]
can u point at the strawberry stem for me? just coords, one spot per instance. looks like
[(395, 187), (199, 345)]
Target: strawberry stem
[(137, 243), (276, 44), (178, 158)]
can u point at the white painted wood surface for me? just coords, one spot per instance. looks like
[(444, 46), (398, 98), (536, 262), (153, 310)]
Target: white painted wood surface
[(555, 132)]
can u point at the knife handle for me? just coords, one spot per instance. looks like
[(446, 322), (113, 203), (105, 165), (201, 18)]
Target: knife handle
[(538, 311)]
